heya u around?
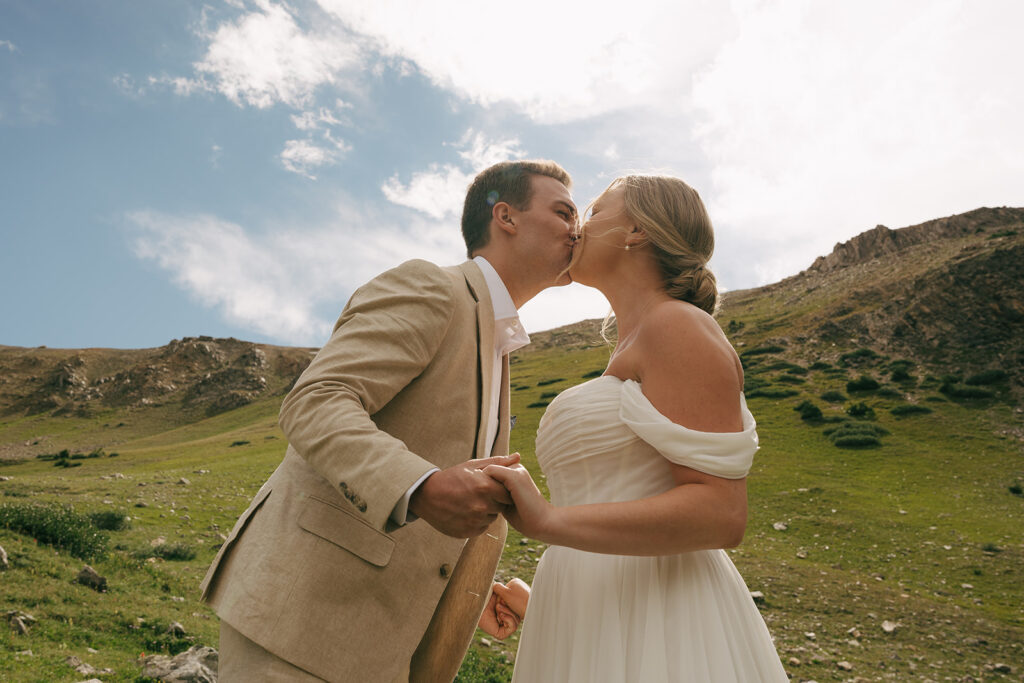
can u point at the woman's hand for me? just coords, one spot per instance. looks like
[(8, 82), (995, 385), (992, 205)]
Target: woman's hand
[(531, 514)]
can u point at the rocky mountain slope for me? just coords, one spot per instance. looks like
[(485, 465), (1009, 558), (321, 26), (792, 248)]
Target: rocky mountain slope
[(948, 294)]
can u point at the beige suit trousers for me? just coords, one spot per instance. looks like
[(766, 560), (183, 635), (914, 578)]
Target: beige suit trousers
[(243, 661)]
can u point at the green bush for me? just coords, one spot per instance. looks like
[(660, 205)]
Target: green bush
[(820, 365), (539, 404), (987, 377), (56, 525), (857, 441), (808, 411), (855, 435), (750, 383), (1016, 489), (861, 411), (790, 379), (833, 397), (110, 520), (964, 391), (549, 394), (862, 383), (476, 669), (909, 409), (858, 358), (592, 373), (545, 382), (761, 350), (521, 388), (167, 551), (770, 392), (889, 392)]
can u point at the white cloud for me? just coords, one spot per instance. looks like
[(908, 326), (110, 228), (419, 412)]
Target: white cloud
[(304, 156), (558, 61), (440, 191), (11, 47), (277, 283), (264, 57), (821, 121)]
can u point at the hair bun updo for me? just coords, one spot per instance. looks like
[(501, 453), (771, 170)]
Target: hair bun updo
[(675, 221)]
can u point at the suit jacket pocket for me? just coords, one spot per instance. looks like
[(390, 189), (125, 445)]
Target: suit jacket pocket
[(344, 530)]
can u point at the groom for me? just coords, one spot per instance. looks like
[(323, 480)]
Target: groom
[(351, 562)]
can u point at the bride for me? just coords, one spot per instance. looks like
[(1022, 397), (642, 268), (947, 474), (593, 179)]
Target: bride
[(646, 466)]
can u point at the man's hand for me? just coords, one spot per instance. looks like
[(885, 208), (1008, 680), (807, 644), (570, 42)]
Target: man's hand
[(461, 501)]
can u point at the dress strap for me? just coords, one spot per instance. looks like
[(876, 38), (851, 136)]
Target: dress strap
[(721, 454)]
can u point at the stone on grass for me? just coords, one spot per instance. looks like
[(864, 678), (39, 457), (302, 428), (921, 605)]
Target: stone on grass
[(89, 577), (4, 564), (780, 526), (176, 629), (83, 668), (20, 622), (758, 597), (889, 626), (844, 665), (198, 664)]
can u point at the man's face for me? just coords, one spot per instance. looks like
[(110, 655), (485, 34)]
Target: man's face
[(546, 229)]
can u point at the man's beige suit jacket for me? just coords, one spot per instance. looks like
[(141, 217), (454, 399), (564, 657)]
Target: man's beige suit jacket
[(314, 570)]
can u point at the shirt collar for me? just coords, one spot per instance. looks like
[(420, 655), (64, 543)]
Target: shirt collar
[(509, 333)]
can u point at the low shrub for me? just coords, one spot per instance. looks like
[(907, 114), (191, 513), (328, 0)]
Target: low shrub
[(167, 551), (751, 383), (761, 350), (238, 443), (790, 379), (1016, 489), (862, 383), (770, 392), (110, 520), (910, 409), (521, 388), (889, 392), (549, 394), (820, 365), (861, 411), (545, 382), (833, 397), (56, 525), (987, 377), (592, 373), (858, 358), (964, 391), (856, 435), (539, 404), (808, 411)]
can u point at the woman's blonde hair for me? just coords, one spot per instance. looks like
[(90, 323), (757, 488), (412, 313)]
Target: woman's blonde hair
[(673, 217)]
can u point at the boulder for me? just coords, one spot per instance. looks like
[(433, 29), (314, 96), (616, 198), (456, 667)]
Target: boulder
[(89, 577), (198, 664)]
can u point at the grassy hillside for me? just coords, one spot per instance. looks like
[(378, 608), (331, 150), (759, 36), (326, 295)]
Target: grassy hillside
[(886, 502), (922, 531)]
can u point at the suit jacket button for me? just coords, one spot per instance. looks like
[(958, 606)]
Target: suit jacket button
[(446, 570)]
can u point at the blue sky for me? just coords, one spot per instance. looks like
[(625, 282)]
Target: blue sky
[(237, 168)]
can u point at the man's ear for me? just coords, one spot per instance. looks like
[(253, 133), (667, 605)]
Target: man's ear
[(502, 217)]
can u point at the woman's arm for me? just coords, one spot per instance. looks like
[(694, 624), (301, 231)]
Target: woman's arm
[(692, 376)]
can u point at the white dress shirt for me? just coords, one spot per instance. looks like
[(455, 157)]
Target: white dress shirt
[(509, 335)]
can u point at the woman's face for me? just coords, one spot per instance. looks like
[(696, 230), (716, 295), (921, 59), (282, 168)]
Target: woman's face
[(602, 237)]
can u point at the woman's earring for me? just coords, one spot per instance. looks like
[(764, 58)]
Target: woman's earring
[(627, 247)]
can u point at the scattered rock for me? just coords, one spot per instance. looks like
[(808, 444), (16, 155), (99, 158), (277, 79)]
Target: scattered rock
[(780, 526), (1002, 668), (801, 554), (794, 661), (855, 632), (198, 664), (184, 482), (159, 540), (89, 577), (6, 478), (485, 642), (844, 665), (20, 622), (141, 504), (889, 626), (176, 629), (202, 471), (810, 635), (758, 597), (24, 653), (91, 680), (85, 669), (4, 564)]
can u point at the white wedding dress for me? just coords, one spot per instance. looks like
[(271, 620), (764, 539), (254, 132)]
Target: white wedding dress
[(595, 618)]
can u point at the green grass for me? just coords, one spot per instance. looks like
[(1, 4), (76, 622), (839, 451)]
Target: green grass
[(892, 533)]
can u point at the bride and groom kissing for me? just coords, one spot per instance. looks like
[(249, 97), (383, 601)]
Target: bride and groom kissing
[(370, 552)]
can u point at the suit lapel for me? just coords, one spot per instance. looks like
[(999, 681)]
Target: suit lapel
[(485, 351)]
